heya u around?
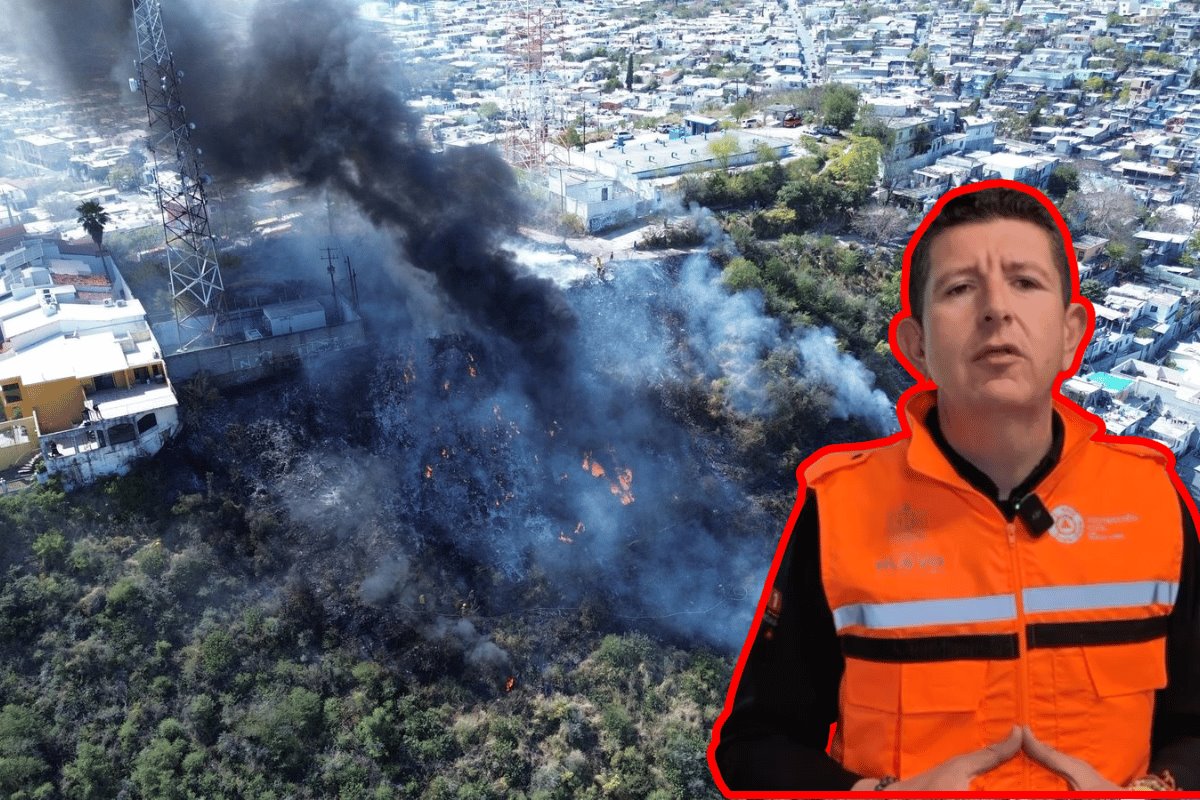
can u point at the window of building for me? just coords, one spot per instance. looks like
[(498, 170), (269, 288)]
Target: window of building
[(141, 374), (146, 423), (12, 392), (119, 434)]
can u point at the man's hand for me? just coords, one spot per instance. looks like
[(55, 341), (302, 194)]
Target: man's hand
[(1079, 775), (955, 774)]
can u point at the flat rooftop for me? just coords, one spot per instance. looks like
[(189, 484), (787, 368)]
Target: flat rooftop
[(113, 403), (81, 356)]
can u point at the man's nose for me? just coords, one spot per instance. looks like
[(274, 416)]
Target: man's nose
[(996, 301)]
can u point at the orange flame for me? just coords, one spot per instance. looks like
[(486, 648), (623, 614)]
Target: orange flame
[(622, 487), (593, 466), (445, 452), (428, 471), (579, 528), (510, 683)]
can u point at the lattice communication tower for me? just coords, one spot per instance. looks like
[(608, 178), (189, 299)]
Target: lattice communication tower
[(527, 145), (196, 288)]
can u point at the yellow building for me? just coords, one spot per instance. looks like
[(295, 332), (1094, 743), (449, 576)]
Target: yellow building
[(82, 377)]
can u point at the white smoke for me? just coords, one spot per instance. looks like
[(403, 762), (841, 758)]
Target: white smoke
[(853, 384)]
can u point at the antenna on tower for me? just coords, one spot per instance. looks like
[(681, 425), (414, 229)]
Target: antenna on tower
[(196, 288)]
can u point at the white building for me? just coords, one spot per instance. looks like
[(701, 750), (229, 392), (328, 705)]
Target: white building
[(82, 378)]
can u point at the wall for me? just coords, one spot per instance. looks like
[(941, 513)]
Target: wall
[(233, 364), (84, 467), (59, 404)]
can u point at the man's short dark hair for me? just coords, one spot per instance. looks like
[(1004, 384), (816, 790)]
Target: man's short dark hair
[(985, 205)]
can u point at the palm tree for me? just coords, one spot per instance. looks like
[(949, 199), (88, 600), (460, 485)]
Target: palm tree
[(93, 218)]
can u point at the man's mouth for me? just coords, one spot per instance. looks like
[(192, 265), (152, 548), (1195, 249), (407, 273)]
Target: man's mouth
[(997, 351)]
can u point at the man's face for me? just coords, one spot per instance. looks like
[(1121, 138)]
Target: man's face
[(995, 333)]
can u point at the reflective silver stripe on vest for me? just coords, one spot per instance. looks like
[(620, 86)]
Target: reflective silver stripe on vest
[(912, 613), (1100, 595), (927, 612)]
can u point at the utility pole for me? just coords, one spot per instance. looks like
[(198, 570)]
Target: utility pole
[(196, 286), (332, 270), (352, 277)]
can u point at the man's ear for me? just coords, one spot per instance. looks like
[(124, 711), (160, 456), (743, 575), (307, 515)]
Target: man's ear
[(1074, 326), (911, 338)]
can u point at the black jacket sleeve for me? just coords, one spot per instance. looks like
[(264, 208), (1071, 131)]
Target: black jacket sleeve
[(776, 733), (1175, 736)]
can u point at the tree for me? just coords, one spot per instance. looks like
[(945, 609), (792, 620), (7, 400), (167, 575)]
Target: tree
[(723, 149), (815, 200), (858, 165), (839, 105), (570, 137), (1093, 289), (740, 109), (629, 73), (1191, 252), (1064, 179), (1013, 124), (22, 734), (93, 218), (919, 56), (741, 273), (1110, 214), (879, 223), (488, 110), (49, 547), (871, 124), (766, 154), (1126, 258)]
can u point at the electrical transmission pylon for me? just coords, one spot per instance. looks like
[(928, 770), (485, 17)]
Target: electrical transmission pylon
[(196, 288)]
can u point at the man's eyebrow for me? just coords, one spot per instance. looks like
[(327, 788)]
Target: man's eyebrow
[(1008, 266), (1036, 266)]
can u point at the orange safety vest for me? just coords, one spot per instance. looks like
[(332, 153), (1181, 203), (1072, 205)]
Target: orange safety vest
[(957, 624)]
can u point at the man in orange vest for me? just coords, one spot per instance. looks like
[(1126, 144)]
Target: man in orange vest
[(998, 598)]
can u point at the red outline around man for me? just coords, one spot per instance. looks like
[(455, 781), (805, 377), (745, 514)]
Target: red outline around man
[(990, 350)]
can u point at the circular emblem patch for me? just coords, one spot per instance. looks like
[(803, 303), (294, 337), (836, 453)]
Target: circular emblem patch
[(1068, 524)]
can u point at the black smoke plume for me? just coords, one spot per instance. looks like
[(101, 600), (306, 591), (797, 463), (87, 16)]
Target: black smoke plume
[(303, 88)]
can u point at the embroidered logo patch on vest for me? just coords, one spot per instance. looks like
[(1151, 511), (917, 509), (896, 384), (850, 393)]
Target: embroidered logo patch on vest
[(1068, 524), (907, 524)]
